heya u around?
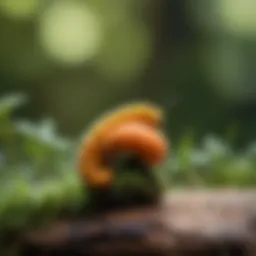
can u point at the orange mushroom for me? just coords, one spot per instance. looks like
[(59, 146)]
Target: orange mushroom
[(143, 140), (130, 128)]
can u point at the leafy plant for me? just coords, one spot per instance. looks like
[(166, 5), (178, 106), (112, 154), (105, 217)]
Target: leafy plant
[(211, 164), (38, 177)]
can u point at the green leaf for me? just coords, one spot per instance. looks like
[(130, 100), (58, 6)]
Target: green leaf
[(10, 103)]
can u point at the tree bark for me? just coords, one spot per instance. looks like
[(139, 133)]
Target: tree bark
[(183, 223)]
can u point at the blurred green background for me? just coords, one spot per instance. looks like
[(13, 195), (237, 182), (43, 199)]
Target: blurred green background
[(75, 59)]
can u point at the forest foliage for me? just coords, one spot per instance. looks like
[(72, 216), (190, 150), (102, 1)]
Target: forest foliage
[(39, 179)]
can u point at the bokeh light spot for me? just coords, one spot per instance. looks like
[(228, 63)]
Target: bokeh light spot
[(238, 17), (70, 32)]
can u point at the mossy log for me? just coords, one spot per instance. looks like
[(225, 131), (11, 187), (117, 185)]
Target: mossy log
[(183, 223)]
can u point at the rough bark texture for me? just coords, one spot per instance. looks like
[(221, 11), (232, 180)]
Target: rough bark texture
[(221, 222)]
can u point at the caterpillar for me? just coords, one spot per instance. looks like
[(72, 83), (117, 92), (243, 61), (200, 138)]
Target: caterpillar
[(128, 128)]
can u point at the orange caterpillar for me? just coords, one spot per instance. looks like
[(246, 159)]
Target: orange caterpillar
[(132, 128)]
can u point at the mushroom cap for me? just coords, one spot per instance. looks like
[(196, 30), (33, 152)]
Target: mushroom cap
[(136, 137)]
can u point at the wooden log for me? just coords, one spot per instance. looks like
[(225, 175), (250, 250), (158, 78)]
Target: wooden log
[(184, 222)]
